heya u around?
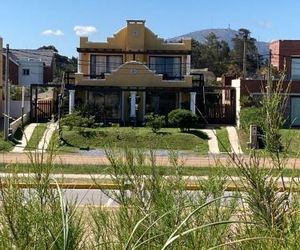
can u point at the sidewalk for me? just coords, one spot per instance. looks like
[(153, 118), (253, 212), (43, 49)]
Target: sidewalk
[(234, 140), (19, 148), (212, 141), (193, 161)]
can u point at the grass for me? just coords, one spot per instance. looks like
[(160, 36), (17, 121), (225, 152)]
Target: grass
[(146, 170), (243, 139), (5, 146), (121, 137), (290, 138), (290, 141), (223, 140), (36, 136)]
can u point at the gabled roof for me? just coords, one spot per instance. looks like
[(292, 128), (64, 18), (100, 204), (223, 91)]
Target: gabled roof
[(44, 55)]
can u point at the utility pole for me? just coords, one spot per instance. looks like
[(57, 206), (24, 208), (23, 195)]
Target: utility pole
[(269, 80), (270, 65), (244, 57), (6, 95)]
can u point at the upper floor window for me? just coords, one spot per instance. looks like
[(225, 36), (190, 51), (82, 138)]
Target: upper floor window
[(169, 67), (295, 70), (104, 64), (26, 72)]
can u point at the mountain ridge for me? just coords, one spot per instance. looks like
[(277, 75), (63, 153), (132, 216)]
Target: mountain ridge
[(222, 34)]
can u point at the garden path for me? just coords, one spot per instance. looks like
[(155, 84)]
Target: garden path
[(19, 148), (212, 141), (234, 140)]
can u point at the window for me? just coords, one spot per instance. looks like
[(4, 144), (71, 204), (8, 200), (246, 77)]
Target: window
[(104, 64), (170, 67), (26, 72), (295, 72)]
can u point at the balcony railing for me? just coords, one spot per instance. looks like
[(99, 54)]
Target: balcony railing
[(94, 76), (168, 77)]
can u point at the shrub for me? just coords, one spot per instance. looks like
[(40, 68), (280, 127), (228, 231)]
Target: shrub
[(155, 122), (182, 118), (251, 116), (76, 120), (93, 109)]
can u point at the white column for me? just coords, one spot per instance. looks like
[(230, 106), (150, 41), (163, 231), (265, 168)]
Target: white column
[(188, 64), (132, 104), (79, 63), (71, 100), (193, 102), (179, 100)]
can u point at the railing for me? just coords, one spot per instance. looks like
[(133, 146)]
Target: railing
[(178, 78), (95, 76)]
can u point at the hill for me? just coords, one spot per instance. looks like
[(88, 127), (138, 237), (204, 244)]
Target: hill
[(222, 34)]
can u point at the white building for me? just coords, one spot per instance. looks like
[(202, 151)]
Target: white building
[(30, 71)]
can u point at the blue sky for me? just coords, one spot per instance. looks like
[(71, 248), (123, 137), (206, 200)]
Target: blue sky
[(24, 22)]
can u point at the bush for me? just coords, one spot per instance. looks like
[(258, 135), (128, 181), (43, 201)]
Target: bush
[(251, 116), (76, 120), (182, 118), (93, 109), (155, 122)]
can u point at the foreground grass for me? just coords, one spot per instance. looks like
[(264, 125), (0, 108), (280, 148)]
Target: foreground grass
[(36, 136), (120, 137), (223, 140)]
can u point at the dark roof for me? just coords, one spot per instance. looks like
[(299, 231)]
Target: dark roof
[(44, 55)]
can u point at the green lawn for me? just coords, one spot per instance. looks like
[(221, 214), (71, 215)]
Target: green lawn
[(143, 138), (36, 136), (163, 170), (243, 139), (5, 146), (290, 141), (223, 141)]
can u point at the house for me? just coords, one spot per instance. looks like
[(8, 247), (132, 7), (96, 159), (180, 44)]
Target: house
[(285, 58), (208, 77), (30, 66), (1, 78), (134, 73)]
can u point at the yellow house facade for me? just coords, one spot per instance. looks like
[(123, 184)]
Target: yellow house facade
[(133, 73)]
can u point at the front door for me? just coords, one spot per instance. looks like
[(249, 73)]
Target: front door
[(295, 111)]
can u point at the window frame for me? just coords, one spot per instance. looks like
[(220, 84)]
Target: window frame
[(165, 66)]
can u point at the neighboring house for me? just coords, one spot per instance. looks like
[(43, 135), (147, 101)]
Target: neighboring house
[(30, 66), (13, 68), (1, 77), (285, 58), (31, 71), (208, 77), (134, 73)]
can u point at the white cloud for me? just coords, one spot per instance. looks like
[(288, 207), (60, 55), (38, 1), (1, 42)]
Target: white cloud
[(84, 30), (51, 32)]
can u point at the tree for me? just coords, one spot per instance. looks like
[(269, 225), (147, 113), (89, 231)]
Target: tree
[(213, 54), (49, 47), (253, 59)]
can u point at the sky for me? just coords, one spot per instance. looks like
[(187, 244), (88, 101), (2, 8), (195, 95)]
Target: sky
[(34, 23)]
